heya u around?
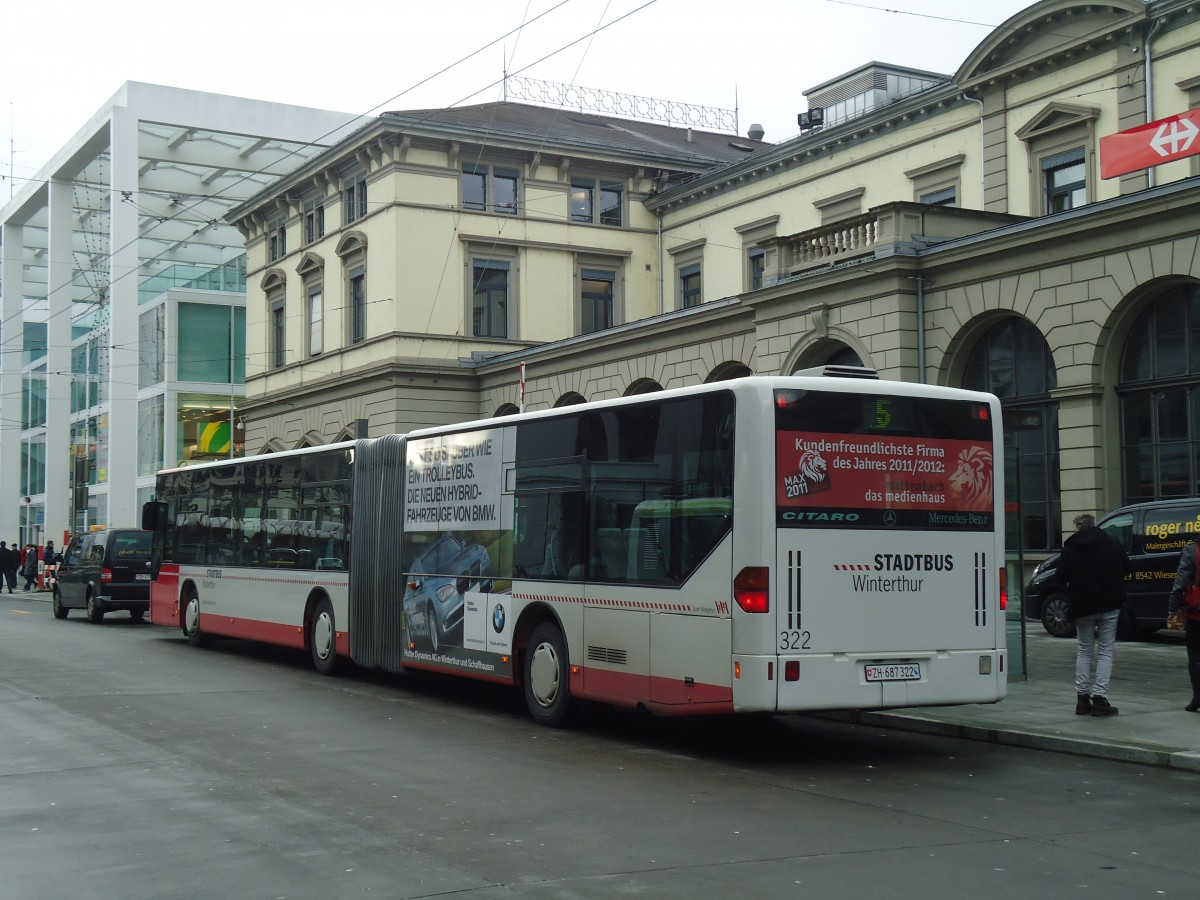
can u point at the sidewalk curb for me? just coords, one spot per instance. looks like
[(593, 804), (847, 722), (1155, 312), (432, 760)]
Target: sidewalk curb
[(1181, 760)]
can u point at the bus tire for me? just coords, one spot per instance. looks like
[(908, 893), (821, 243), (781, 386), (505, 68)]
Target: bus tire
[(56, 607), (546, 674), (95, 614), (191, 621), (322, 638), (1056, 616)]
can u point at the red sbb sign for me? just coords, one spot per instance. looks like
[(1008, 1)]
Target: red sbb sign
[(1152, 144)]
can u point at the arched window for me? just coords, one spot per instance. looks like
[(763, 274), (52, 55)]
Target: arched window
[(844, 357), (570, 398), (1013, 361), (506, 409), (1159, 395), (727, 371), (642, 386)]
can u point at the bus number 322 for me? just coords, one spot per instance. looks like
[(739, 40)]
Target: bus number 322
[(794, 640)]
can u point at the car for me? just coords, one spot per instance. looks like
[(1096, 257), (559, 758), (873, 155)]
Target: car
[(104, 571), (437, 580), (1153, 534)]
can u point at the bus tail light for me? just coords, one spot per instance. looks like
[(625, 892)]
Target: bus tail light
[(105, 575), (1003, 589), (751, 589)]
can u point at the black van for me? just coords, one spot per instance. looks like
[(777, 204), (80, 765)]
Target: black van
[(103, 571), (1153, 534)]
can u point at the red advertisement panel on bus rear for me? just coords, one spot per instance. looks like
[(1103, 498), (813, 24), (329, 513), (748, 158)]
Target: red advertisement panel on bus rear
[(916, 482)]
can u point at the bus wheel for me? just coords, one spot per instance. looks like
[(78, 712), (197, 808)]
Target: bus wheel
[(191, 622), (1056, 617), (546, 672), (60, 611), (322, 638), (95, 614)]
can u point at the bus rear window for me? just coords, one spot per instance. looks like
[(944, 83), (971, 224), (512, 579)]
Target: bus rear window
[(849, 460)]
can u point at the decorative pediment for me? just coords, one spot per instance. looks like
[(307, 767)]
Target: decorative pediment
[(273, 278), (1055, 117), (351, 242), (1041, 32), (309, 263)]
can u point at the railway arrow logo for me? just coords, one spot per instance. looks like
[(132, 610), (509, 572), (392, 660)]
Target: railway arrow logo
[(1173, 137)]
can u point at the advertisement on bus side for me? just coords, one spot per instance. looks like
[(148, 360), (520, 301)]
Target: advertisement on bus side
[(457, 535)]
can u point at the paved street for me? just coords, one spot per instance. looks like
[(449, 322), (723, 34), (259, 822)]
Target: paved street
[(134, 766)]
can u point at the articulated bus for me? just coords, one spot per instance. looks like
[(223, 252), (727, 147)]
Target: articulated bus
[(768, 544)]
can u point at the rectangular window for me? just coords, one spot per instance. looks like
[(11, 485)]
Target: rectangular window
[(314, 220), (756, 259), (609, 211), (490, 298), (639, 494), (944, 197), (505, 191), (596, 299), (277, 241), (610, 204), (316, 321), (474, 187), (1065, 178), (354, 199), (358, 306), (479, 183), (278, 333), (582, 199), (689, 286)]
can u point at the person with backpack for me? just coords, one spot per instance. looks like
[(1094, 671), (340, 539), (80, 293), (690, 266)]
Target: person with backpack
[(1184, 600)]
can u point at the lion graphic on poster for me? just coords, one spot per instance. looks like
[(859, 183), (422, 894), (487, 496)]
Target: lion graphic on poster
[(814, 469), (971, 480)]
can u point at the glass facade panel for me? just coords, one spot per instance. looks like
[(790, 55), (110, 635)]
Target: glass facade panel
[(211, 342), (151, 346), (150, 434)]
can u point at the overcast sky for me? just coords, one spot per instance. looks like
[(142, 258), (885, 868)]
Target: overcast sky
[(62, 59)]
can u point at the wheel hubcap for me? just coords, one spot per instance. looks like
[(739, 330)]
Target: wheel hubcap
[(191, 616), (322, 637), (544, 675)]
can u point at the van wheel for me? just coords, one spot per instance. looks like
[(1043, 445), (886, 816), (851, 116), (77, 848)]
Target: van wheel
[(547, 676), (322, 638), (60, 611), (137, 614), (95, 614), (191, 622), (1056, 616)]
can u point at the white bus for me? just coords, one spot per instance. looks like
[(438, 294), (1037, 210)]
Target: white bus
[(768, 544)]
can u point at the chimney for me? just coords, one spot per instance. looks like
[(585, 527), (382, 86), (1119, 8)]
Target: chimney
[(756, 132)]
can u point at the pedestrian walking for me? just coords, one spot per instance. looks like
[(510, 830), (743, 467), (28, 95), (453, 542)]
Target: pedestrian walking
[(1185, 578), (8, 569), (10, 575), (30, 570), (1093, 567)]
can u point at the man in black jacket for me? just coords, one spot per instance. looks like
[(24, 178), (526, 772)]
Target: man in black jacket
[(1094, 567), (8, 568)]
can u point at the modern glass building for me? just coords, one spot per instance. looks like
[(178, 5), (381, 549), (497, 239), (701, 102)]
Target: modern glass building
[(123, 300)]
